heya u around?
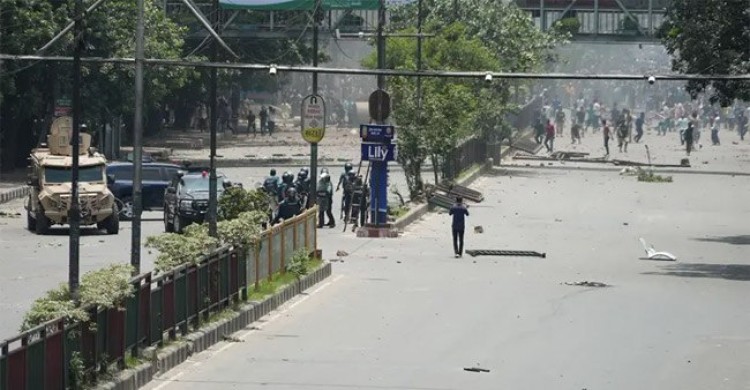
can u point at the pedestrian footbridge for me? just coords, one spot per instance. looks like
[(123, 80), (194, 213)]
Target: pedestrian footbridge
[(606, 21)]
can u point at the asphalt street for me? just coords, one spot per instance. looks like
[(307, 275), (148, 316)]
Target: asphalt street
[(405, 314), (31, 264)]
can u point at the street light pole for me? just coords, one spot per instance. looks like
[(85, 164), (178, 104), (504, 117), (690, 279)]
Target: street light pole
[(74, 214), (135, 246), (381, 43), (314, 145), (212, 185), (419, 60)]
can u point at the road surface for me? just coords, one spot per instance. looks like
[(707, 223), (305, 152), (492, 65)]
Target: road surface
[(31, 264), (404, 314)]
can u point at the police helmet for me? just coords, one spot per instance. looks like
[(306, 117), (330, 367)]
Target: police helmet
[(291, 193), (288, 177), (273, 172), (323, 171), (302, 173), (348, 167)]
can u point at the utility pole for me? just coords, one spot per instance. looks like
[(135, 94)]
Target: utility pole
[(381, 43), (419, 61), (135, 246), (314, 145), (212, 187), (74, 214)]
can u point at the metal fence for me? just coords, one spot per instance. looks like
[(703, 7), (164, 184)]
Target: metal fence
[(476, 150), (161, 308)]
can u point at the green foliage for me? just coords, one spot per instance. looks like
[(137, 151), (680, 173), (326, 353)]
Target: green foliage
[(195, 243), (710, 37), (107, 287), (569, 26), (178, 249), (77, 370), (236, 200), (242, 231), (471, 35), (297, 266), (648, 176), (54, 304), (629, 24)]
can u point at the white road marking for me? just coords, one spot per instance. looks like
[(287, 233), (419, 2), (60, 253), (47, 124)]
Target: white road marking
[(282, 310)]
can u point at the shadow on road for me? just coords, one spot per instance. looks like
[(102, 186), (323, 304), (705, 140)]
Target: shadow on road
[(734, 240), (702, 270)]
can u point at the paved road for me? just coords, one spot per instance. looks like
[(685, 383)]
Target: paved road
[(31, 264), (404, 314)]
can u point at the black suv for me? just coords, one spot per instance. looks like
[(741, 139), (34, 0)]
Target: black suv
[(155, 178), (186, 199)]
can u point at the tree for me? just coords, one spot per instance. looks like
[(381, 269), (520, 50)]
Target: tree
[(482, 35), (29, 90), (710, 37)]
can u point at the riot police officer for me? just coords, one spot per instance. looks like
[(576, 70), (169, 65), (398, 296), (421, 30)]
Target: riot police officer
[(325, 199), (287, 182), (346, 179), (302, 185), (272, 183), (289, 207)]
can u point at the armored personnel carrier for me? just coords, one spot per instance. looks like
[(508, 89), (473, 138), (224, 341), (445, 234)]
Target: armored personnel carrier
[(50, 167)]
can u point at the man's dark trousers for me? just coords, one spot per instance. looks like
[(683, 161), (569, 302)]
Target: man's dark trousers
[(458, 241)]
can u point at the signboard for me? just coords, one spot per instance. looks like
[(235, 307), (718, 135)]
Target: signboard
[(378, 152), (379, 105), (377, 133), (63, 107), (313, 118)]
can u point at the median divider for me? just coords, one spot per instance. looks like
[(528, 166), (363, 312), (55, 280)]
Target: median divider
[(169, 317)]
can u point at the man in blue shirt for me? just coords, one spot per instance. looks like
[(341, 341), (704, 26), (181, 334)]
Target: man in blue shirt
[(459, 211)]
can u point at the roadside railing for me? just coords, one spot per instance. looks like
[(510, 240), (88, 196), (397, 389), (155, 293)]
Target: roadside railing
[(56, 355)]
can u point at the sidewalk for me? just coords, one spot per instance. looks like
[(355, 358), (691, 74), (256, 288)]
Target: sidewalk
[(12, 186)]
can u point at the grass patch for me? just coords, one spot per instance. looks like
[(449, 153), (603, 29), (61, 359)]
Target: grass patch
[(133, 361), (468, 171), (279, 280), (398, 212), (651, 177)]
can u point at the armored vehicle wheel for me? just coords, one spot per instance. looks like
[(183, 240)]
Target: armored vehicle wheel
[(168, 225), (112, 223), (178, 224), (42, 223), (127, 209), (30, 221)]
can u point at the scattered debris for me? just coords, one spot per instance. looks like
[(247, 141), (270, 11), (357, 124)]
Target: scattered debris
[(586, 283), (490, 252), (625, 224), (630, 171), (652, 254), (651, 177), (476, 369), (341, 253), (478, 229), (233, 339)]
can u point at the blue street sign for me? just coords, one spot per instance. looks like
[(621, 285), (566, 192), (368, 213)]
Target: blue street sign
[(378, 152), (377, 133)]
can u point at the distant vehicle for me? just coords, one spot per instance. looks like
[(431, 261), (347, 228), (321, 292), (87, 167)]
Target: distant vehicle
[(145, 157), (50, 178), (155, 179), (186, 199)]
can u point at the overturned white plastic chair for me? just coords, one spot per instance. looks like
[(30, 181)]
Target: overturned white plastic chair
[(652, 254)]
